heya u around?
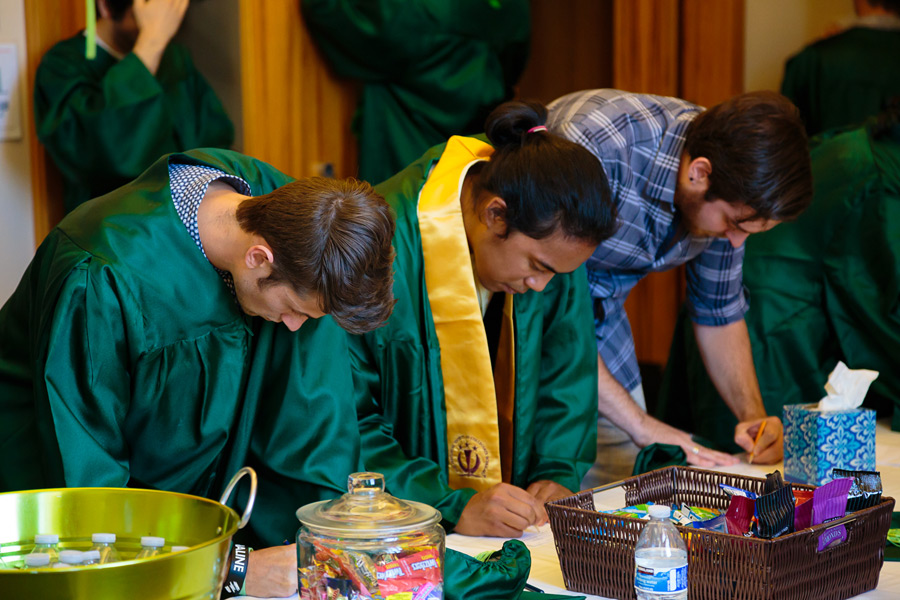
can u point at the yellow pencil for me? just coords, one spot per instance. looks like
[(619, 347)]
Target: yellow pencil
[(759, 433)]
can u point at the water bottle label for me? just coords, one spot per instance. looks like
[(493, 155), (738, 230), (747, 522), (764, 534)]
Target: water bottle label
[(660, 581)]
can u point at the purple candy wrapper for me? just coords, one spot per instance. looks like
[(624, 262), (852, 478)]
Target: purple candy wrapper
[(832, 537), (828, 504)]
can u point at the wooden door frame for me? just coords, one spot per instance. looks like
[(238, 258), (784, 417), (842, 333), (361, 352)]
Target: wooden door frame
[(46, 23)]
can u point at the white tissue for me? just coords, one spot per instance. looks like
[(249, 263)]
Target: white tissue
[(846, 388)]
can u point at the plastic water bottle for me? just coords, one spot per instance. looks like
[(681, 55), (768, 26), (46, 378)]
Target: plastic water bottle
[(151, 546), (90, 557), (68, 559), (103, 543), (37, 561), (660, 559), (46, 543)]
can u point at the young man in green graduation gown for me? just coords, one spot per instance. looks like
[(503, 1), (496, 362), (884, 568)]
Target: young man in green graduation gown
[(845, 78), (140, 350), (105, 119), (479, 395)]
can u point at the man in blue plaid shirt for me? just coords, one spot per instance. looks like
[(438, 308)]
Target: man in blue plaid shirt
[(690, 185)]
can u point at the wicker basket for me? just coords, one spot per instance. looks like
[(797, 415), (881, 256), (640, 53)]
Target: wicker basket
[(596, 550)]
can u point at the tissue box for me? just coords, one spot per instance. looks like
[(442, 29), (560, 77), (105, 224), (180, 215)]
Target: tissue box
[(816, 442)]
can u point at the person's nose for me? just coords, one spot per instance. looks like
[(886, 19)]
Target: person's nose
[(538, 282), (293, 322), (737, 237)]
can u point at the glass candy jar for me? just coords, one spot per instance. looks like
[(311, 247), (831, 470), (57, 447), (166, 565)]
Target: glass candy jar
[(368, 544)]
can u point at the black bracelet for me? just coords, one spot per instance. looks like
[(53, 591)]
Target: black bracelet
[(237, 571)]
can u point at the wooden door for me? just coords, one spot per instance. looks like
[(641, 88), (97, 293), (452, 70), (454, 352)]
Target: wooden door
[(46, 23)]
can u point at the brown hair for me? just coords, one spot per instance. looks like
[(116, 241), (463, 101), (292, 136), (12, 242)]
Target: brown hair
[(332, 238), (757, 145)]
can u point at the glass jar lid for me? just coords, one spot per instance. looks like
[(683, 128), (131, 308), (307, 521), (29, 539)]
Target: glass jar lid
[(366, 510)]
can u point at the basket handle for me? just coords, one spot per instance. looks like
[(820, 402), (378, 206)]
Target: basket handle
[(252, 498)]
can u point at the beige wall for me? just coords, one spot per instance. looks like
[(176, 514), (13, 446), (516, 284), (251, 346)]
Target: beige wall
[(16, 217), (211, 31), (776, 29)]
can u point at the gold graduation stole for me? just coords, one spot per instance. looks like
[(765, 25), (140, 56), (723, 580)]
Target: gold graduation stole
[(479, 418)]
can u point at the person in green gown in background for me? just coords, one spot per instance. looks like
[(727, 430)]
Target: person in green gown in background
[(104, 120), (848, 77), (139, 348), (479, 396), (429, 68), (823, 288)]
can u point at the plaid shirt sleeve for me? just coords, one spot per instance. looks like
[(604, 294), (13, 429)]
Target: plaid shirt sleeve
[(715, 290)]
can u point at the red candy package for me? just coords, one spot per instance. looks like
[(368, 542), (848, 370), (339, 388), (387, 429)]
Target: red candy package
[(423, 564), (739, 515), (419, 571)]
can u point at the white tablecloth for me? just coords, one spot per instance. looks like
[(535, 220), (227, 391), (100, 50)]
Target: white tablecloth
[(546, 575)]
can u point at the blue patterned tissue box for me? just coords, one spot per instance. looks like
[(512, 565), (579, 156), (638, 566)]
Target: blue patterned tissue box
[(816, 442)]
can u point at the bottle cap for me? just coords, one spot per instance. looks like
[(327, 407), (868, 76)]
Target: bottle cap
[(659, 511), (104, 538), (46, 538), (152, 541), (71, 557), (91, 555), (37, 560)]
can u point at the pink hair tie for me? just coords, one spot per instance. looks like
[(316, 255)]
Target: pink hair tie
[(537, 128)]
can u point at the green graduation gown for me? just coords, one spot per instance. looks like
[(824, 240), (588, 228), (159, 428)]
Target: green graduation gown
[(401, 402), (126, 361), (844, 79), (418, 90), (823, 288), (104, 121)]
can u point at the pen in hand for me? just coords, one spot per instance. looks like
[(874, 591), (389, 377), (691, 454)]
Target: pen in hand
[(759, 433)]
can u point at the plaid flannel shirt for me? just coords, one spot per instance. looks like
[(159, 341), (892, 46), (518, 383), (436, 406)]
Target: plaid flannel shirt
[(639, 138)]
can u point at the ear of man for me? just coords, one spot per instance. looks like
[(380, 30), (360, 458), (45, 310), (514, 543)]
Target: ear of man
[(259, 256), (700, 169), (494, 216)]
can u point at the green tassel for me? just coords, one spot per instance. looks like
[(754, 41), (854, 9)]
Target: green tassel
[(90, 31)]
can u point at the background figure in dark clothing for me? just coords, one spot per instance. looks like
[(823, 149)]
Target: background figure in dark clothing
[(429, 69), (105, 120), (848, 77)]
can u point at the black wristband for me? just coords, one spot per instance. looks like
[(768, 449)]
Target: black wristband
[(237, 571)]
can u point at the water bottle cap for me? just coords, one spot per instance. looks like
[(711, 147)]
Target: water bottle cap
[(46, 538), (659, 511), (92, 555), (104, 538), (153, 541), (37, 560), (71, 557)]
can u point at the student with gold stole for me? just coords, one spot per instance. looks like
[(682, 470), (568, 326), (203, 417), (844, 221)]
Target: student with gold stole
[(479, 394)]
